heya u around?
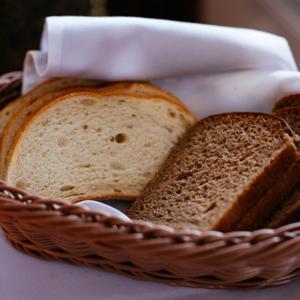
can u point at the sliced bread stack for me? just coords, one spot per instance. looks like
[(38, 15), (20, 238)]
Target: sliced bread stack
[(51, 85), (231, 171), (288, 108), (101, 144)]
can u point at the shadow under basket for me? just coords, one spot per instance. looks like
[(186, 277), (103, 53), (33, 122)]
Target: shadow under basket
[(55, 230)]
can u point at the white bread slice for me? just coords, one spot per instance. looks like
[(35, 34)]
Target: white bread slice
[(95, 146), (19, 117), (54, 84)]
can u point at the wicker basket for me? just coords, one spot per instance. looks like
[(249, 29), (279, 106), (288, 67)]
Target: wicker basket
[(55, 230)]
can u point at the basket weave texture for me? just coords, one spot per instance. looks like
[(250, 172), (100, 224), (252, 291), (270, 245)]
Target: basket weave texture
[(55, 230)]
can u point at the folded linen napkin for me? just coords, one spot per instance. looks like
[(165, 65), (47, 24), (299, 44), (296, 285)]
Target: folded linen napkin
[(211, 68)]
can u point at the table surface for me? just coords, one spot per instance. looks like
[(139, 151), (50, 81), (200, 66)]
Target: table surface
[(29, 278)]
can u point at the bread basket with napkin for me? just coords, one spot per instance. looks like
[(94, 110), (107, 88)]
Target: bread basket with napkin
[(212, 69)]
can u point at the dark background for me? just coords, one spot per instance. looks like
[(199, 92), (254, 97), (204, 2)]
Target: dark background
[(21, 22)]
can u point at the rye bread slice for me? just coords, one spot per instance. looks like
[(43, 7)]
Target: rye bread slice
[(287, 101), (289, 210), (286, 177), (219, 171)]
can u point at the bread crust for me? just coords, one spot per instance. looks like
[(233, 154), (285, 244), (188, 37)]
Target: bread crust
[(106, 197), (286, 177), (292, 100), (289, 209), (288, 212)]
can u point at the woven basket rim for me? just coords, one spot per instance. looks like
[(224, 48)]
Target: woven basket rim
[(68, 210)]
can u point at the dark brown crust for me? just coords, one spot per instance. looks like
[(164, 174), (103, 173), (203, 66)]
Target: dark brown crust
[(287, 101), (280, 113), (274, 197), (288, 212), (107, 197), (10, 86)]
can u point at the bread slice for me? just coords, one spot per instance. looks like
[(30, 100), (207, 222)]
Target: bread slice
[(95, 146), (222, 167), (19, 117), (10, 86), (287, 101), (54, 84), (289, 210)]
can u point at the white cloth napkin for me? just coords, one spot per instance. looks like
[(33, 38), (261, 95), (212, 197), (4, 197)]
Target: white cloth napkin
[(211, 68)]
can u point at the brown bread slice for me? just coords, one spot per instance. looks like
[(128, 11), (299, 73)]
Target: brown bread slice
[(10, 86), (287, 177), (220, 170), (287, 101), (289, 210)]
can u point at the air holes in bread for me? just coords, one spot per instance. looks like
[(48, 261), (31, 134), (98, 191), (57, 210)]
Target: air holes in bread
[(67, 188), (169, 129), (117, 165), (21, 185), (210, 207), (85, 165), (172, 114), (44, 123), (121, 137), (62, 142), (85, 127), (88, 102)]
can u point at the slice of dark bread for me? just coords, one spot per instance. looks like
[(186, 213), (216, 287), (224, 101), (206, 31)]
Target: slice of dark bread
[(287, 101), (289, 210), (224, 165)]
